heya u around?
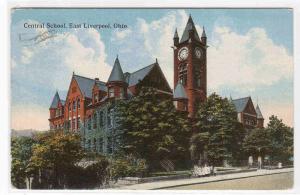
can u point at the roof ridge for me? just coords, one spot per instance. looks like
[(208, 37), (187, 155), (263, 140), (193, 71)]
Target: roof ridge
[(241, 98), (143, 68), (89, 78)]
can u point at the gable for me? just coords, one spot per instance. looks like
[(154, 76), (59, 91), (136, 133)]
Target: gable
[(74, 90), (240, 104), (250, 109), (156, 79)]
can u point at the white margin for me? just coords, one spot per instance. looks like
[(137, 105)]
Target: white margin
[(5, 79)]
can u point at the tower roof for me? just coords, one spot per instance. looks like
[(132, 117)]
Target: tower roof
[(116, 73), (189, 26), (179, 92), (258, 112), (176, 34), (55, 100)]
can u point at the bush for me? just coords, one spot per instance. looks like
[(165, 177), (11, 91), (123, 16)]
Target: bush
[(88, 174), (128, 167)]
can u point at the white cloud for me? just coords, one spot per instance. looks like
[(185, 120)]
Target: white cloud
[(39, 68), (246, 60), (153, 40)]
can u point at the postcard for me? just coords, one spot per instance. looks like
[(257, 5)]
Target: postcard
[(152, 98)]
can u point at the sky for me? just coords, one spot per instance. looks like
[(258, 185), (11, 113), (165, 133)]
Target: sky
[(250, 53)]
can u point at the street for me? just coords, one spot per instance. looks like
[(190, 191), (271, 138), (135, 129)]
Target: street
[(278, 181)]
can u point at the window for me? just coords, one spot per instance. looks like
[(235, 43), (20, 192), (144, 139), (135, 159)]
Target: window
[(122, 93), (69, 106), (183, 74), (100, 145), (111, 92), (89, 123), (88, 147), (73, 123), (110, 117), (95, 145), (109, 145), (197, 79), (74, 105), (78, 104), (78, 122), (57, 112), (96, 98), (69, 125), (101, 119), (95, 121)]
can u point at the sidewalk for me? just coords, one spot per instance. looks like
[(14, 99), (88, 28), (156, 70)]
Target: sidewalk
[(182, 182)]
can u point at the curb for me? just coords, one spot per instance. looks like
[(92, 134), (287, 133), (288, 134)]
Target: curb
[(232, 176), (218, 180)]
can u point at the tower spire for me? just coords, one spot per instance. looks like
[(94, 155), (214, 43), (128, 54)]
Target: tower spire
[(190, 27)]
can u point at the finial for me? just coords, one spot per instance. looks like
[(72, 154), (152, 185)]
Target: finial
[(190, 15), (117, 56), (203, 32), (156, 61), (73, 73)]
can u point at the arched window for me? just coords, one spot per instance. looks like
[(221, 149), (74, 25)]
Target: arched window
[(101, 121), (78, 103), (74, 105), (183, 74), (89, 123), (70, 106), (111, 92), (95, 121), (110, 117)]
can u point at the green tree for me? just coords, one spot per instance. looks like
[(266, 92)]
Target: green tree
[(152, 128), (21, 151), (257, 142), (56, 153), (219, 134), (281, 137)]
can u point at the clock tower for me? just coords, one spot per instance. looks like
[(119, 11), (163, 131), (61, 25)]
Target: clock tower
[(190, 65)]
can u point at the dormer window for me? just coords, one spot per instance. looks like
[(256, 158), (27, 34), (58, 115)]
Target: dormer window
[(96, 98)]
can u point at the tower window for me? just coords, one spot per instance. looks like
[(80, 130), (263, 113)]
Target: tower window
[(197, 79), (111, 92), (183, 74)]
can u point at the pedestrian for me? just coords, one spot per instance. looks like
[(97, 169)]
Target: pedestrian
[(250, 161)]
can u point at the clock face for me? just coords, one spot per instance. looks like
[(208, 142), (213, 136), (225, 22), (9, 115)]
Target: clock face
[(198, 52), (183, 53)]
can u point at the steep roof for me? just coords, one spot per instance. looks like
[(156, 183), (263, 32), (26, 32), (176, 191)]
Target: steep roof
[(86, 85), (240, 104), (55, 100), (101, 85), (116, 73), (258, 112), (135, 77), (179, 92), (189, 26)]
